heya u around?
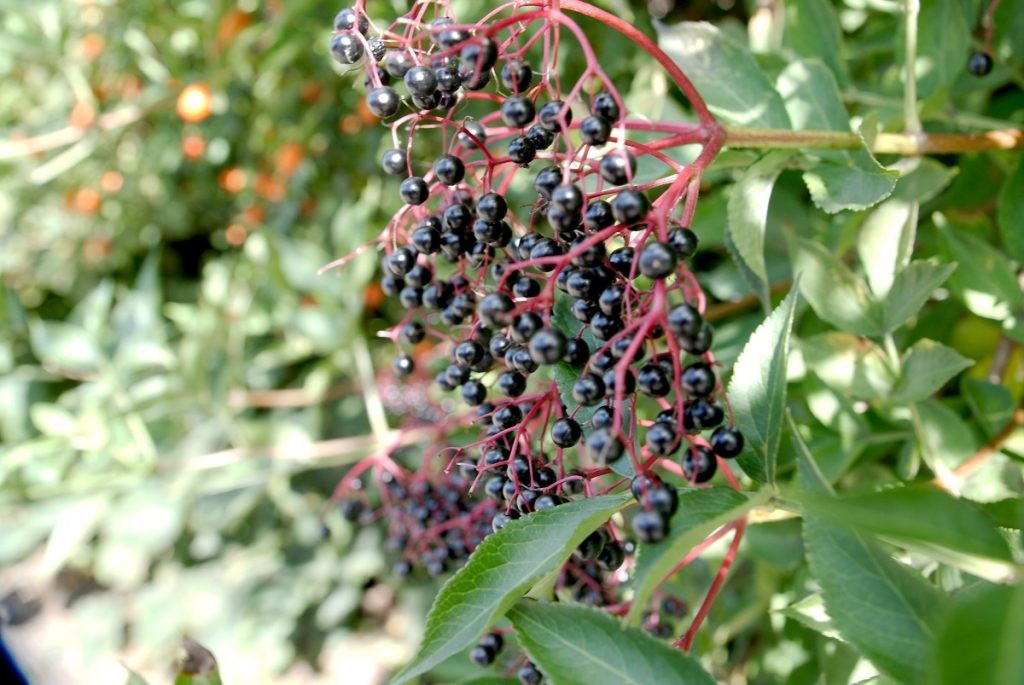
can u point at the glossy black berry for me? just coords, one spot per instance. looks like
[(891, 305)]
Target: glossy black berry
[(412, 332), (404, 365), (547, 346), (603, 446), (529, 674), (698, 379), (525, 326), (351, 509), (657, 260), (397, 63), (653, 381), (491, 207), (516, 75), (549, 113), (508, 416), (493, 641), (521, 150), (474, 393), (517, 112), (383, 101), (449, 169), (726, 442), (546, 180), (348, 20), (421, 81), (567, 197), (566, 432), (478, 58), (595, 130), (414, 191), (661, 439), (702, 414), (511, 383), (346, 48), (394, 163), (598, 215), (605, 327), (471, 133), (588, 389), (684, 241), (591, 546), (699, 464), (605, 106), (576, 352), (611, 556), (618, 167), (621, 260), (630, 206), (494, 310), (980, 64), (539, 137), (684, 320), (700, 342), (650, 526), (469, 353), (480, 655)]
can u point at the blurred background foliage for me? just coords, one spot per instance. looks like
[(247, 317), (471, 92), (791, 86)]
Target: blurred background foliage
[(180, 391)]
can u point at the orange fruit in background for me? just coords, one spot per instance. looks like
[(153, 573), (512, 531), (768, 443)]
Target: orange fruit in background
[(111, 181), (236, 234), (195, 103), (231, 24), (91, 46), (82, 115), (289, 156), (193, 147), (269, 187), (86, 201), (233, 180)]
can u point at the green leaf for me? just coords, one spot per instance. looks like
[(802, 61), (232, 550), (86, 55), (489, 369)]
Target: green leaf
[(833, 291), (502, 569), (844, 179), (881, 607), (701, 513), (985, 280), (1011, 212), (886, 241), (849, 364), (992, 404), (924, 181), (757, 390), (726, 74), (748, 215), (927, 366), (1007, 512), (943, 43), (943, 433), (810, 477), (64, 348), (982, 637), (579, 645), (857, 184), (923, 516), (911, 288), (812, 31)]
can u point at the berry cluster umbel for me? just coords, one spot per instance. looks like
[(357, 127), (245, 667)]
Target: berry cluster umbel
[(542, 264)]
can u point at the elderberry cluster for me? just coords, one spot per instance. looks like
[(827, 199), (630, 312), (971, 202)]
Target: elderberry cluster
[(544, 285)]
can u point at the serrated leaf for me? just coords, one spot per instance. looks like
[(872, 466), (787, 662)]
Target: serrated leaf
[(810, 477), (985, 280), (884, 609), (925, 181), (911, 288), (701, 512), (812, 100), (943, 44), (812, 31), (885, 243), (991, 403), (726, 74), (757, 390), (579, 645), (748, 215), (856, 185), (1011, 212), (849, 364), (501, 570), (980, 641), (918, 515), (835, 294), (927, 366)]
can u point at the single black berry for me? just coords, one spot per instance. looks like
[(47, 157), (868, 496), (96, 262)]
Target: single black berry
[(618, 167), (699, 464), (726, 442), (566, 432), (349, 19), (421, 81), (605, 106), (346, 48), (414, 191), (698, 379), (516, 75), (521, 150), (547, 346), (657, 260), (630, 206), (404, 365), (449, 169), (980, 64), (382, 101), (394, 163), (650, 526), (517, 112), (684, 241), (594, 130), (550, 112)]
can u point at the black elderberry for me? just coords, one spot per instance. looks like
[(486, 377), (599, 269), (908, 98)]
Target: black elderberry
[(698, 379), (511, 383), (653, 381), (684, 241), (349, 19), (544, 477), (521, 150), (420, 81), (980, 64), (584, 310), (547, 346), (383, 101), (621, 260), (605, 106), (493, 641), (611, 557), (726, 442), (456, 375), (412, 332), (595, 130), (498, 345), (588, 389), (351, 509), (576, 352), (539, 137), (628, 382), (404, 365), (519, 359), (491, 207), (410, 297), (437, 295), (684, 320), (517, 112), (529, 674), (525, 326), (479, 655), (567, 197), (661, 439), (378, 50), (507, 416), (605, 327), (391, 285), (549, 114), (478, 58), (545, 248), (471, 133), (630, 207), (449, 169), (474, 393), (702, 414), (494, 310), (699, 464), (699, 343), (414, 191), (494, 486), (457, 217), (426, 240), (657, 260), (591, 547), (618, 167), (524, 501), (397, 63), (598, 215), (547, 180), (516, 75), (650, 526), (394, 163), (346, 49), (469, 352), (603, 446)]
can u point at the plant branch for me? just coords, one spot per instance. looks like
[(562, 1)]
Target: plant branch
[(978, 459), (884, 143)]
